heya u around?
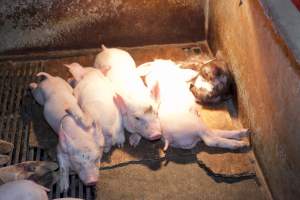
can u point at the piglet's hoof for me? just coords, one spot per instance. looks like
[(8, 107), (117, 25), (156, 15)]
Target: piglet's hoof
[(134, 139)]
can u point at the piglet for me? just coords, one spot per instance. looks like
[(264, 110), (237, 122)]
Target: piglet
[(23, 189), (80, 148), (181, 126), (213, 84), (95, 94), (43, 172), (139, 111)]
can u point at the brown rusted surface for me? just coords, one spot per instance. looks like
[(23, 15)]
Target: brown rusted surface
[(54, 24), (268, 89)]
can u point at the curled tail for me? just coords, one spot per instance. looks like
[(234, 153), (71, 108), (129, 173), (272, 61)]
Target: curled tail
[(44, 74), (103, 47)]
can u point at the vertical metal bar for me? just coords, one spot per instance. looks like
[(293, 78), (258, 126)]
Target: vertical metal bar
[(80, 188), (15, 82), (23, 84), (3, 116), (25, 142), (3, 83), (50, 193), (57, 190), (30, 154), (88, 193), (73, 186), (2, 89), (18, 142), (38, 154)]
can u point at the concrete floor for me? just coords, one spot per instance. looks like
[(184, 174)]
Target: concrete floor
[(146, 172), (173, 181), (142, 172)]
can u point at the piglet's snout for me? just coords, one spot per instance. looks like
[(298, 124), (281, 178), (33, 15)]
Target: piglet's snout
[(91, 180), (155, 136)]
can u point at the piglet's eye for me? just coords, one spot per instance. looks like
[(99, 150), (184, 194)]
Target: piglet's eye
[(137, 118)]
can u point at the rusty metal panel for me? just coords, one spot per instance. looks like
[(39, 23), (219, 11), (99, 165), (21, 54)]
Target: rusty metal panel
[(75, 24), (267, 78)]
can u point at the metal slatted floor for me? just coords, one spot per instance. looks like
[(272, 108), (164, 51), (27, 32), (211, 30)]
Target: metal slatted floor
[(15, 128)]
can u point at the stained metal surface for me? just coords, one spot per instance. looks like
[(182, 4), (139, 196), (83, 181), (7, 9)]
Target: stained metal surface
[(267, 77), (76, 24)]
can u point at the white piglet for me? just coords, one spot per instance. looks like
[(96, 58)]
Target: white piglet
[(80, 148), (181, 125), (25, 190), (134, 100), (95, 94)]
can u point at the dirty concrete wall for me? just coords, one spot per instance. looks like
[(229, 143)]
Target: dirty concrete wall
[(267, 77), (69, 24)]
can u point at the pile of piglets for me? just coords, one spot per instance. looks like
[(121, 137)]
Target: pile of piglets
[(90, 112)]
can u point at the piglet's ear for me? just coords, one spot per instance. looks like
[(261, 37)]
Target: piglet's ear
[(37, 93), (103, 47), (155, 91), (144, 69), (188, 74), (105, 69), (33, 86), (76, 70), (118, 100)]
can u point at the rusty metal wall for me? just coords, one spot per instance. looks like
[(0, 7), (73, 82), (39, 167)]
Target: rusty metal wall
[(68, 24), (267, 77)]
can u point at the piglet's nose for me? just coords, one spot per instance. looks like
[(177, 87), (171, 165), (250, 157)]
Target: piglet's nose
[(155, 136), (91, 181)]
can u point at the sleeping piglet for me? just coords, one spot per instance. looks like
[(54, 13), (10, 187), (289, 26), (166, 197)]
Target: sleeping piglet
[(139, 111), (80, 148), (95, 94), (181, 126), (25, 190)]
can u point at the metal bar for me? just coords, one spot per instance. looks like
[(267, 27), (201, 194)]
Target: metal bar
[(57, 190), (88, 193), (3, 83), (30, 154), (80, 188), (15, 81), (25, 141), (18, 142), (73, 186)]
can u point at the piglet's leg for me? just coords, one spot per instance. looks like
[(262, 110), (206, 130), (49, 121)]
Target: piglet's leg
[(134, 139), (166, 145), (120, 139), (108, 141), (79, 116), (64, 172), (232, 134), (214, 141)]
